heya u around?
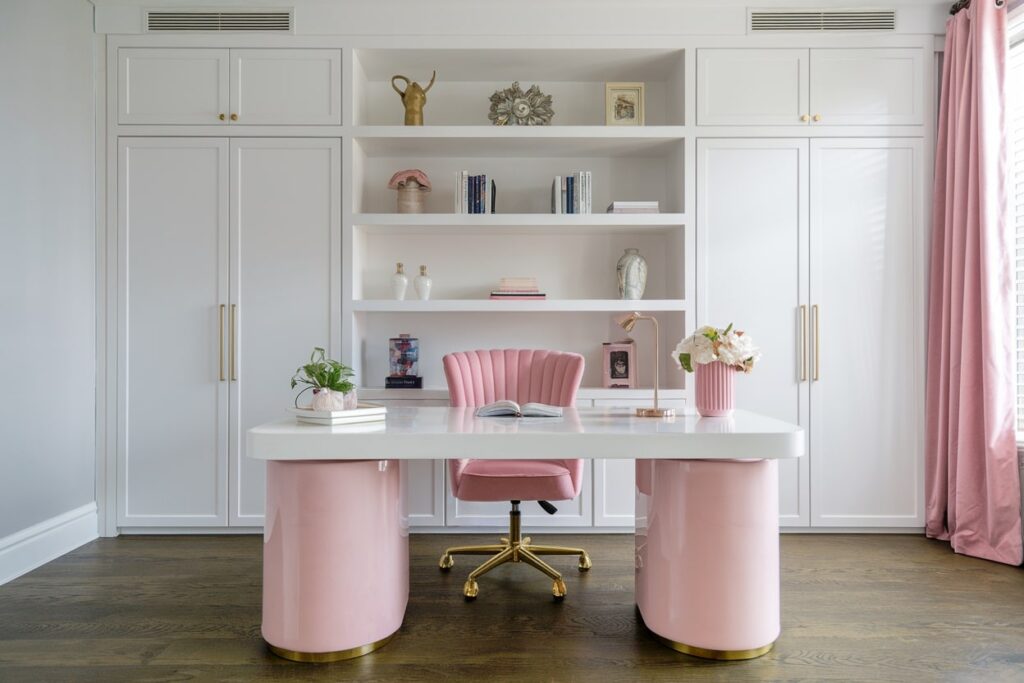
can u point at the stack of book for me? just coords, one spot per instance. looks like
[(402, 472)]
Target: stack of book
[(571, 193), (633, 207), (474, 193), (518, 289)]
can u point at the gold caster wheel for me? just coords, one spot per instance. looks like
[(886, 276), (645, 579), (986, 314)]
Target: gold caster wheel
[(446, 563), (558, 590), (470, 589), (585, 563)]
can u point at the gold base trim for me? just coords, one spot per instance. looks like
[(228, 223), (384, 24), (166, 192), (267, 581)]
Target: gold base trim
[(336, 656), (707, 653), (655, 412)]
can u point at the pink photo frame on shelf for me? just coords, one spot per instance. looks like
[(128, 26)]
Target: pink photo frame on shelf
[(619, 367)]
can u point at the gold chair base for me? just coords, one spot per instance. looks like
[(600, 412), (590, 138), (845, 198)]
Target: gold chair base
[(706, 653), (336, 656), (514, 549)]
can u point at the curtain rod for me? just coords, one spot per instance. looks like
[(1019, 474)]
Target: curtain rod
[(964, 4)]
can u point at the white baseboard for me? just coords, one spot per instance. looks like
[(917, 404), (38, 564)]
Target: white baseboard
[(24, 550)]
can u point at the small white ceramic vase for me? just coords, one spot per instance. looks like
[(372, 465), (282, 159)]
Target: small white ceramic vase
[(423, 284), (325, 399), (411, 197), (631, 271), (399, 283)]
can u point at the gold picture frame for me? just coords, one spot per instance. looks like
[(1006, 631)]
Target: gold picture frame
[(624, 104)]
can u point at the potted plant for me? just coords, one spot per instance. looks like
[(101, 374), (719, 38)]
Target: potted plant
[(715, 356), (329, 381)]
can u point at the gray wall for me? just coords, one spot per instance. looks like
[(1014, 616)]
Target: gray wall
[(47, 261)]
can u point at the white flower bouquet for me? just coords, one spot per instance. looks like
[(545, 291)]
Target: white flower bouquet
[(710, 344)]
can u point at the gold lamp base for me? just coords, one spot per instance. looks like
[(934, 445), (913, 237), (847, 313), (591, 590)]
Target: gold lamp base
[(655, 412)]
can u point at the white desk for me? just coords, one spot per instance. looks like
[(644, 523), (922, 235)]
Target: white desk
[(336, 567)]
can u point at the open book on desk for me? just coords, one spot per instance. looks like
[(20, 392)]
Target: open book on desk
[(513, 409)]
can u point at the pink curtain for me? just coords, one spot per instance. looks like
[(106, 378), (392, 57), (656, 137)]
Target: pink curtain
[(973, 489)]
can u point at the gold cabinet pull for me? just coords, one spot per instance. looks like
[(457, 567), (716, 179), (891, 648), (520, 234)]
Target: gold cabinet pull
[(232, 351), (803, 342), (805, 118), (234, 117), (220, 354), (817, 341), (817, 117), (221, 117)]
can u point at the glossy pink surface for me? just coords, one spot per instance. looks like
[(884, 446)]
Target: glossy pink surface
[(707, 551), (713, 389), (335, 554), (476, 378)]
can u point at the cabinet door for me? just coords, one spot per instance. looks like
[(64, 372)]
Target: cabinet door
[(286, 87), (751, 86), (614, 479), (870, 86), (172, 86), (752, 261), (172, 279), (285, 235), (867, 389)]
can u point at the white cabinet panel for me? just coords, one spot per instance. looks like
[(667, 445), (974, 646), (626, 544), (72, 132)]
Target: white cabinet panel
[(285, 229), (172, 278), (172, 86), (866, 397), (286, 87), (751, 86), (615, 480), (424, 479), (871, 86), (752, 261)]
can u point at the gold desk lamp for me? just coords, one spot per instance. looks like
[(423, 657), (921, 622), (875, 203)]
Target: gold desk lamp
[(627, 323)]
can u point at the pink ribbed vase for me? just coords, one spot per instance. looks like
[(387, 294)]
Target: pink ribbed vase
[(714, 389)]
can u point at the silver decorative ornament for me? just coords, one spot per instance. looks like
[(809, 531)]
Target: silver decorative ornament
[(513, 107)]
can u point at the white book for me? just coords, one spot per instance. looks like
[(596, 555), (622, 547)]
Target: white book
[(513, 409), (458, 192), (465, 192), (556, 195)]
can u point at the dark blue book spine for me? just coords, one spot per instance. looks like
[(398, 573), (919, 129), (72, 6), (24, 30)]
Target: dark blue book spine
[(476, 194), (570, 195)]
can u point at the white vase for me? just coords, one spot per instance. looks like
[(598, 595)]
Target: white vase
[(631, 271), (399, 283), (325, 399), (423, 284), (410, 198)]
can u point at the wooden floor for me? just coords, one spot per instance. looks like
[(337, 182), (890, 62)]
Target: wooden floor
[(854, 608)]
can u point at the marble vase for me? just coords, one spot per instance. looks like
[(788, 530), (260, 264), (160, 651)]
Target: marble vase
[(631, 271)]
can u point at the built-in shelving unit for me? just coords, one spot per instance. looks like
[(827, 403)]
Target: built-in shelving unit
[(572, 256)]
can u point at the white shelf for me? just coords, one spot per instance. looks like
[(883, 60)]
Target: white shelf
[(518, 141), (517, 223), (494, 306), (441, 394)]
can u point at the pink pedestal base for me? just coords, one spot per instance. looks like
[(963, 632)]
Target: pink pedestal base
[(707, 555), (335, 557)]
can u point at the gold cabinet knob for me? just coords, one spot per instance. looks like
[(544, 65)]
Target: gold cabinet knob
[(234, 117), (817, 117), (221, 117), (805, 118)]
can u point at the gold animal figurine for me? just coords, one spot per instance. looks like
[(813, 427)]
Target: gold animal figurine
[(413, 98)]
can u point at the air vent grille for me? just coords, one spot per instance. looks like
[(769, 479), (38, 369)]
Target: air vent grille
[(275, 20), (822, 20)]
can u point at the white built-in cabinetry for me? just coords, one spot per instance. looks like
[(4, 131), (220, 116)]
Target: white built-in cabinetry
[(814, 246), (779, 157), (179, 86), (228, 263), (820, 86)]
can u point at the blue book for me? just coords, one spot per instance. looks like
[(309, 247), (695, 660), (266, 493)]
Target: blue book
[(571, 194), (476, 194)]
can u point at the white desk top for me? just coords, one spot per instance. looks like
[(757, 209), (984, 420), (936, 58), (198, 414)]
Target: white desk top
[(436, 433)]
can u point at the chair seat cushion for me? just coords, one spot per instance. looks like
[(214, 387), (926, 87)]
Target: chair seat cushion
[(487, 480)]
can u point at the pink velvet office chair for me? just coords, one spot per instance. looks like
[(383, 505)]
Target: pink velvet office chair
[(476, 378)]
